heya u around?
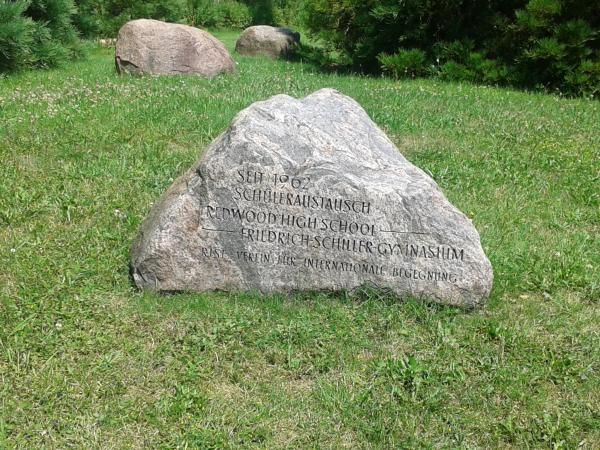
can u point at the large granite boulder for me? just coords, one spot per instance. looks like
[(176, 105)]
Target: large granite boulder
[(267, 41), (153, 47), (309, 195)]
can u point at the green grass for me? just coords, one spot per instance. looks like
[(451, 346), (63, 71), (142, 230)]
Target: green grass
[(86, 361)]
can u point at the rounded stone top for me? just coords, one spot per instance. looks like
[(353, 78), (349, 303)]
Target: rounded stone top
[(146, 46), (267, 41)]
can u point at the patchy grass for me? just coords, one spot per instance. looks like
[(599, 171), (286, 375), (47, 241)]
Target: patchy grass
[(86, 361)]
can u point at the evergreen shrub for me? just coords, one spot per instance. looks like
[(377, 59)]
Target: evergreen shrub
[(37, 33), (546, 44), (405, 63)]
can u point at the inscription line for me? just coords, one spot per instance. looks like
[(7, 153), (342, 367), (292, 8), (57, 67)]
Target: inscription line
[(403, 232), (220, 231)]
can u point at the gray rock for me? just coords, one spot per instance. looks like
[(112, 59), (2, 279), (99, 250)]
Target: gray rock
[(153, 47), (267, 41), (309, 195)]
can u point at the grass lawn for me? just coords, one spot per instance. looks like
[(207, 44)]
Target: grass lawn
[(87, 361)]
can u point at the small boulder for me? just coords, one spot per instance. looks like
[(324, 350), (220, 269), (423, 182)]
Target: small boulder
[(268, 41), (153, 47)]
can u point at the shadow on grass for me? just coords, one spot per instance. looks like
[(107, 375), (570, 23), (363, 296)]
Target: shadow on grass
[(366, 297)]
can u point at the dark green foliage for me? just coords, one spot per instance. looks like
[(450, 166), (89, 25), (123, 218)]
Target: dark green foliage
[(222, 14), (364, 29), (37, 33), (16, 36), (549, 44), (105, 17), (457, 61), (585, 79), (555, 39), (274, 12), (263, 11), (288, 13), (405, 63), (55, 37)]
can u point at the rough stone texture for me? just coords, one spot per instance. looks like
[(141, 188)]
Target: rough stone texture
[(309, 195), (266, 40), (153, 47)]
